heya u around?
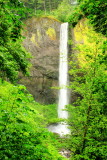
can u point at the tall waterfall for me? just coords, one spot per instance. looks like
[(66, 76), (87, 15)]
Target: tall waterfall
[(63, 72), (74, 2), (62, 128)]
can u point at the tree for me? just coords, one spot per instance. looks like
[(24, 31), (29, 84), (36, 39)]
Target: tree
[(23, 132), (39, 6), (89, 112), (13, 57), (95, 11), (63, 11)]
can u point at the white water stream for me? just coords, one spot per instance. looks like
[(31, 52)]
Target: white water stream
[(74, 2), (63, 72), (62, 128)]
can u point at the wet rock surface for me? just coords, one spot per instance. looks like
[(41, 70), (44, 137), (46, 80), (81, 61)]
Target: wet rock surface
[(42, 41), (65, 153)]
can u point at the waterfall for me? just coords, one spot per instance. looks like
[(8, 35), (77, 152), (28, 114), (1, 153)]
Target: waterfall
[(74, 2), (62, 128), (63, 72)]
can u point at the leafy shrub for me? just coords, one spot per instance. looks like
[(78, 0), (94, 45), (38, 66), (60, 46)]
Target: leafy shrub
[(22, 126)]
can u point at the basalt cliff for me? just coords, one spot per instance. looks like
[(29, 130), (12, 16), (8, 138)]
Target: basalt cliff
[(42, 41)]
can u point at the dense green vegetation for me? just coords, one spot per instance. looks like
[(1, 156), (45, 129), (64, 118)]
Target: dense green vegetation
[(63, 11), (13, 57), (23, 121), (60, 9), (95, 11), (42, 6), (89, 113), (22, 126)]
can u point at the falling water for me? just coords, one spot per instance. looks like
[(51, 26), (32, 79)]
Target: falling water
[(74, 2), (62, 128), (63, 72)]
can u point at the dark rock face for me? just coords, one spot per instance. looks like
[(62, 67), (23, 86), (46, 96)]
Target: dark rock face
[(42, 41)]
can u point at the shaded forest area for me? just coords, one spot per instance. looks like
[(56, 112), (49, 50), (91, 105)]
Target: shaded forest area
[(42, 5)]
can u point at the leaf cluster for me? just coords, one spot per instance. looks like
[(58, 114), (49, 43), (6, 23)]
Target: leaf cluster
[(13, 57), (22, 126), (63, 11), (41, 7), (88, 115), (95, 11)]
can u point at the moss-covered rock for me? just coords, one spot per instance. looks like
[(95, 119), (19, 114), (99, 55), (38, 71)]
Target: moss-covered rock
[(42, 41)]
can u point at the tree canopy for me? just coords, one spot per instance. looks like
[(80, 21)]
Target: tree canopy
[(39, 6), (88, 113), (13, 57), (95, 11)]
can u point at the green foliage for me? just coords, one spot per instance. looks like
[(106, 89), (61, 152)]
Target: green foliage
[(63, 11), (89, 113), (13, 57), (41, 7), (22, 123), (95, 11)]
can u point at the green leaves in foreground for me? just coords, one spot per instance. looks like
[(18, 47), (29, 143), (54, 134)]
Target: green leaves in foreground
[(95, 11), (22, 126), (13, 57), (89, 113)]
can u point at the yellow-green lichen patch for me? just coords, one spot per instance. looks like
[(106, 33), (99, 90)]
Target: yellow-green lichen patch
[(88, 42), (51, 18), (51, 33), (33, 39), (39, 35)]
